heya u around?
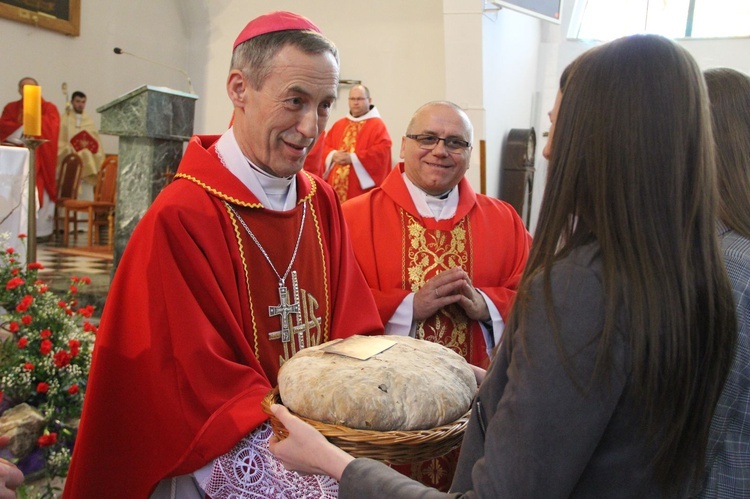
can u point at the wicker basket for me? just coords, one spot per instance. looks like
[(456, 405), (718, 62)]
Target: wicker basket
[(393, 447)]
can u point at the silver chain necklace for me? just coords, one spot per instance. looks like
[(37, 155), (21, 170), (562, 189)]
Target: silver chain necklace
[(282, 279)]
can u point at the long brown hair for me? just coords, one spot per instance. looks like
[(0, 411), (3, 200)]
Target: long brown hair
[(729, 92), (632, 168)]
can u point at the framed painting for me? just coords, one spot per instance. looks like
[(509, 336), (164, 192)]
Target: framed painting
[(63, 16)]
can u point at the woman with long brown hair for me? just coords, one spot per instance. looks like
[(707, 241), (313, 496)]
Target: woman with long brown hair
[(728, 453), (623, 326)]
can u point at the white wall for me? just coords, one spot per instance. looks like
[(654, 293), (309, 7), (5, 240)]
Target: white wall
[(151, 29), (557, 52), (394, 47), (490, 72), (511, 46)]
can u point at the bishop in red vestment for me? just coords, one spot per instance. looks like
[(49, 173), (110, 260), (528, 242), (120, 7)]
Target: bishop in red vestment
[(357, 150), (46, 153), (434, 252), (240, 262)]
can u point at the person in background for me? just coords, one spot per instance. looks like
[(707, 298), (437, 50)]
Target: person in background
[(623, 328), (357, 149), (240, 262), (728, 454), (11, 127), (442, 261), (78, 135)]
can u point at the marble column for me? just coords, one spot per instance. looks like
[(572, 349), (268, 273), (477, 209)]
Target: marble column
[(152, 123)]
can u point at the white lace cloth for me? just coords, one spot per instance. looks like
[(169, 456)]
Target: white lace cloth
[(249, 470)]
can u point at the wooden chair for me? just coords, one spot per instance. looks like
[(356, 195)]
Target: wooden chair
[(99, 209), (68, 183)]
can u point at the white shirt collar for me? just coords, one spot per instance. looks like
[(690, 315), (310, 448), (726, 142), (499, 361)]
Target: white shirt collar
[(430, 206), (278, 194), (372, 113)]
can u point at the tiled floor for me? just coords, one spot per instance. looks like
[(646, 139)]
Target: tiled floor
[(60, 268), (58, 264)]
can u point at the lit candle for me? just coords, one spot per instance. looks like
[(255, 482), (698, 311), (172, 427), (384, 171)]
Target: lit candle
[(32, 110)]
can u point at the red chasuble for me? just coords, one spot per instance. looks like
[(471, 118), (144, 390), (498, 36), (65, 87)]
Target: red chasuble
[(191, 337), (46, 154), (369, 139), (399, 250)]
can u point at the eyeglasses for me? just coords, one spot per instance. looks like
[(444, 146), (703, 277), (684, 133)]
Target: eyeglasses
[(429, 142)]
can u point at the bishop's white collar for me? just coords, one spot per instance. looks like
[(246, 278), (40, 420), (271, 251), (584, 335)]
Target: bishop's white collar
[(278, 194), (439, 208)]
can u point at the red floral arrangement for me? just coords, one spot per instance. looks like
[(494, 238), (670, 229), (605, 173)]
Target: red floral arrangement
[(45, 360)]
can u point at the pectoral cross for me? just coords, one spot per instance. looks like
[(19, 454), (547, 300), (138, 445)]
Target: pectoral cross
[(284, 309), (302, 326)]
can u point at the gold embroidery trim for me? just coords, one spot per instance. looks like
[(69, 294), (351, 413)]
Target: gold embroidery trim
[(327, 326), (313, 188), (233, 200), (218, 193), (237, 234)]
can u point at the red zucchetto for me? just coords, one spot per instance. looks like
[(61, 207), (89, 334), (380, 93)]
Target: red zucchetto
[(272, 22)]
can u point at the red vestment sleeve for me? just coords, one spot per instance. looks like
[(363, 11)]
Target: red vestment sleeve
[(515, 240), (379, 259), (11, 119), (46, 154)]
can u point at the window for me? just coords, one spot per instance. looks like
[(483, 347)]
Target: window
[(600, 20)]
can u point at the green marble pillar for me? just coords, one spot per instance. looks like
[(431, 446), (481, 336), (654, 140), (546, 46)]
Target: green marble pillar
[(152, 123)]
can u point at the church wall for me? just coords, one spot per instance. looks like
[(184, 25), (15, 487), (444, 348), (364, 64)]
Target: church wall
[(556, 52), (511, 45), (154, 30), (396, 48)]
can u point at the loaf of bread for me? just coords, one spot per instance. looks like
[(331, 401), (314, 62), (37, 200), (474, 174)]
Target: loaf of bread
[(413, 385)]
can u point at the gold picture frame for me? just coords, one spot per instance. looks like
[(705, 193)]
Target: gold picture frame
[(63, 16)]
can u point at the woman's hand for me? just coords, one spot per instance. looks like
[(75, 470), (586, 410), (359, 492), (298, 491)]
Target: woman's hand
[(10, 476), (305, 450)]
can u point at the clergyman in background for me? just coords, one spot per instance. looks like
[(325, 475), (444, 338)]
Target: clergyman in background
[(357, 149), (78, 135)]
